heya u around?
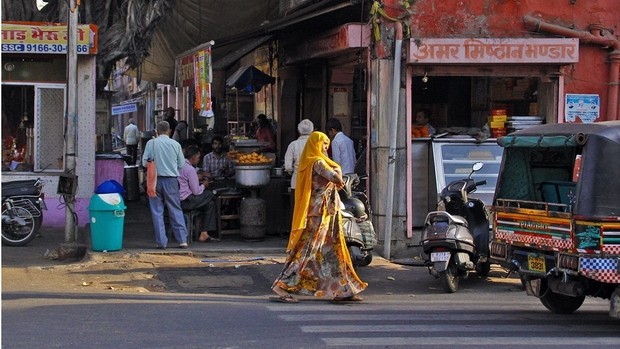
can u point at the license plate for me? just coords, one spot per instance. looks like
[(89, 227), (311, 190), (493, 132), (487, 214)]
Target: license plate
[(536, 264), (440, 256)]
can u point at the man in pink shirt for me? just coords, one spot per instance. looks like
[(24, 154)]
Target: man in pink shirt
[(195, 196)]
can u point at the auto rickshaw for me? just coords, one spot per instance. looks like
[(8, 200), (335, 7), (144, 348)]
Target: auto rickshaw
[(557, 213)]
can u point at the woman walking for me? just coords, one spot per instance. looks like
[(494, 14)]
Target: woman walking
[(318, 262)]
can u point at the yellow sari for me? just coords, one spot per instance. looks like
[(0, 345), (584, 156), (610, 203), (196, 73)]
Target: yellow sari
[(318, 261)]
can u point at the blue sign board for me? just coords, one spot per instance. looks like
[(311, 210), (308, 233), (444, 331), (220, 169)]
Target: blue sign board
[(125, 108)]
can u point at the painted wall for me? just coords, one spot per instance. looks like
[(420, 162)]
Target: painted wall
[(496, 18)]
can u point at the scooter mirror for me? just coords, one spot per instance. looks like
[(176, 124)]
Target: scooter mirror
[(477, 166)]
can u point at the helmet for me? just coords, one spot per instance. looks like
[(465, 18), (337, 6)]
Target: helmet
[(354, 206)]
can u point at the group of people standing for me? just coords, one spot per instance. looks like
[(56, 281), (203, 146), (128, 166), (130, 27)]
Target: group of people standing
[(179, 187), (318, 262)]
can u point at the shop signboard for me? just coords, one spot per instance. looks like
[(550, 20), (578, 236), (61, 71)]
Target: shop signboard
[(493, 51), (46, 38), (123, 109), (584, 108)]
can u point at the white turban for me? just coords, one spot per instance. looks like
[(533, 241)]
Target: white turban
[(305, 127)]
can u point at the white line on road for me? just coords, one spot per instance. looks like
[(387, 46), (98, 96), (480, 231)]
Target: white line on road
[(541, 316), (450, 328), (451, 342)]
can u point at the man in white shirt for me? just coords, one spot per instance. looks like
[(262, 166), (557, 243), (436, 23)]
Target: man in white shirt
[(295, 148), (131, 137), (342, 149)]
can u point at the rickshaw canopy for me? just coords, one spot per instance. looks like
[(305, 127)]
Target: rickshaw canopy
[(581, 160)]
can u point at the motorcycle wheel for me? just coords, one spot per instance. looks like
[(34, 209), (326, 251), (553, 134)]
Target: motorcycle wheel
[(15, 235), (449, 278), (561, 304), (366, 261)]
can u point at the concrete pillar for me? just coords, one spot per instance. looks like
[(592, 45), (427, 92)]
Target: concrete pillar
[(381, 90)]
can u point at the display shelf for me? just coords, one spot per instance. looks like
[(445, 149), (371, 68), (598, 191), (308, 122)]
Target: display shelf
[(453, 160)]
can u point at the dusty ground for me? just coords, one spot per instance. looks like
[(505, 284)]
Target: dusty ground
[(116, 272)]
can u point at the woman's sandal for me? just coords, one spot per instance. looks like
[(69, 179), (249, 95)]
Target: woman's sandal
[(353, 298), (284, 299)]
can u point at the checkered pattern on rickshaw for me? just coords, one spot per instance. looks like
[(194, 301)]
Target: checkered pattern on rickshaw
[(600, 269), (612, 249), (534, 240)]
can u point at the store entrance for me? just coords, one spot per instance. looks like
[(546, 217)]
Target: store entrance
[(467, 101), (17, 125)]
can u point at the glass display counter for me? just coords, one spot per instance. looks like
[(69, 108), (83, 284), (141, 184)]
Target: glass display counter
[(453, 159)]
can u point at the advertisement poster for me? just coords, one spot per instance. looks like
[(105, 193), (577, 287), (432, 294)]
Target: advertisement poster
[(202, 81), (582, 108)]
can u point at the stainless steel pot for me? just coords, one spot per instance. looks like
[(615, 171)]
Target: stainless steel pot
[(252, 176), (277, 171)]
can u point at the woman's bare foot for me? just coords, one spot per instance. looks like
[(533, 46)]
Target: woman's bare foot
[(280, 292), (353, 298)]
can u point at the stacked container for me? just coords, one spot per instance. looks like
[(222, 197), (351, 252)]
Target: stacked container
[(497, 122)]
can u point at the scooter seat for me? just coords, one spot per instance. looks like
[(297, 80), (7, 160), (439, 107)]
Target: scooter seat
[(443, 216), (459, 220)]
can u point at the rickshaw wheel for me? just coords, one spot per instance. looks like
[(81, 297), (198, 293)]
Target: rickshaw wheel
[(561, 304)]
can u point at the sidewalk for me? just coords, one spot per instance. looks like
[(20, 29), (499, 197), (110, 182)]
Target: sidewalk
[(138, 236)]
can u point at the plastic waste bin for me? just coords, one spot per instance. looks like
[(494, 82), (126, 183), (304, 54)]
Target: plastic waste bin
[(107, 217)]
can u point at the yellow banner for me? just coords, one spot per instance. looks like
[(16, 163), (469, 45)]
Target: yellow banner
[(24, 37), (202, 81)]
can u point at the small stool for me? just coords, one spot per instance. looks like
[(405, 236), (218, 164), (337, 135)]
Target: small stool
[(227, 208), (189, 217)]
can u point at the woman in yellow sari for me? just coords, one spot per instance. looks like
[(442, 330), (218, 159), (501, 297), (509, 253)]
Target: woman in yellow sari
[(318, 262)]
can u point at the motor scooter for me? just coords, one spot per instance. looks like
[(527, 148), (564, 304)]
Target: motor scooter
[(456, 241), (359, 232), (22, 215)]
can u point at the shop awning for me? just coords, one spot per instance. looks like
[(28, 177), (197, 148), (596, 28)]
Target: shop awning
[(249, 79), (232, 57), (336, 41)]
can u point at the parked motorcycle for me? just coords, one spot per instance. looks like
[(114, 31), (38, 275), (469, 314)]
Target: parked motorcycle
[(456, 241), (22, 215), (359, 232)]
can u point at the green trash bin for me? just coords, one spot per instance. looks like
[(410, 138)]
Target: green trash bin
[(107, 217)]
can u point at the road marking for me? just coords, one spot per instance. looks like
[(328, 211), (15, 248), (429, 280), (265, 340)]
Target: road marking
[(541, 316), (451, 328), (521, 341)]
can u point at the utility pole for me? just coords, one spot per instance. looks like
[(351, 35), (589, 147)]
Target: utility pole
[(71, 120)]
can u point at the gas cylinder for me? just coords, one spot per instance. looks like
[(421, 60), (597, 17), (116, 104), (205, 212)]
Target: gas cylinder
[(253, 219)]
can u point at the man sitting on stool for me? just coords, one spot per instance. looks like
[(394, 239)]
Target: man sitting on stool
[(194, 196)]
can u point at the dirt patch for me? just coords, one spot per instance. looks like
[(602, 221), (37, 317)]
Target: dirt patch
[(138, 272)]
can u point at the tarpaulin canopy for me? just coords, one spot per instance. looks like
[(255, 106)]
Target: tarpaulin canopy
[(234, 25), (249, 79)]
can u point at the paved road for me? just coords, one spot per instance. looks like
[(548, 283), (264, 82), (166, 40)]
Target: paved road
[(213, 305)]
